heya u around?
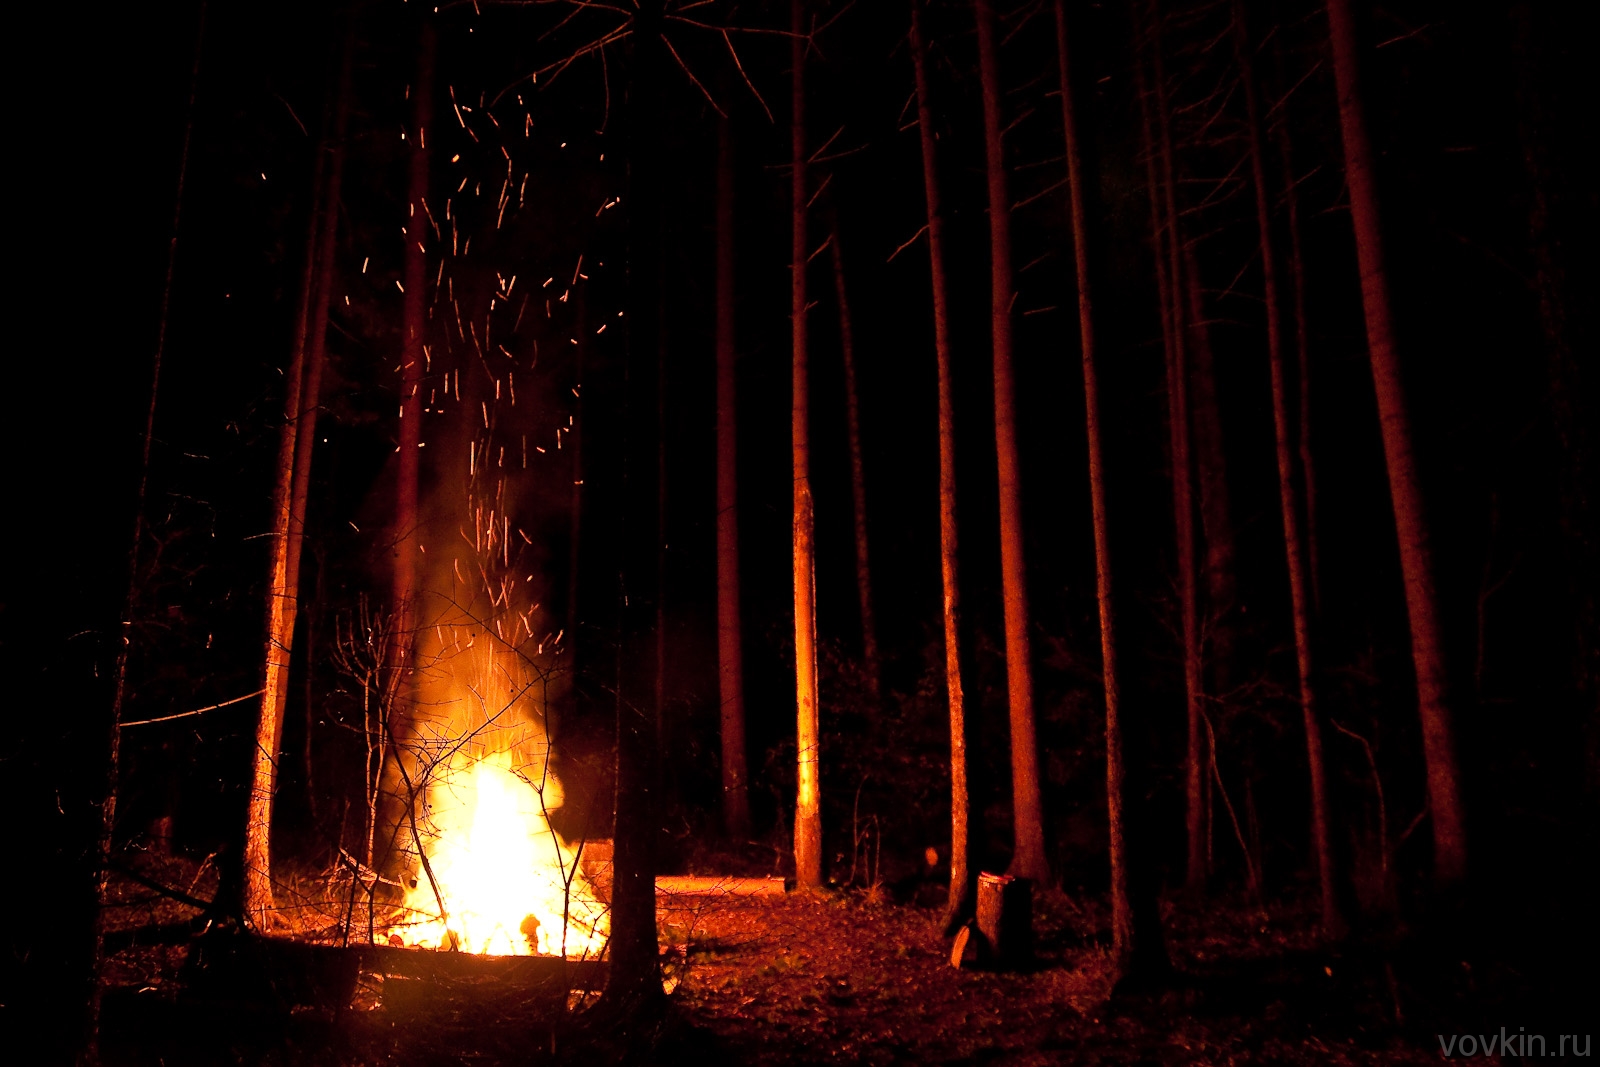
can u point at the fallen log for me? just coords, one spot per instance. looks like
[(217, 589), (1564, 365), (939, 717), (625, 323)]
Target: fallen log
[(436, 965), (719, 886), (236, 966), (173, 933)]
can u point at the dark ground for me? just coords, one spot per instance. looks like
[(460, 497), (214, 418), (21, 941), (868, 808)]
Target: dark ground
[(858, 977)]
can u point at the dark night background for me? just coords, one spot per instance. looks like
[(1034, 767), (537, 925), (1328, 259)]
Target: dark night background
[(94, 164)]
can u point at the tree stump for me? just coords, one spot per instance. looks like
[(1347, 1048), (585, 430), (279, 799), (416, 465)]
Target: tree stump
[(1005, 918)]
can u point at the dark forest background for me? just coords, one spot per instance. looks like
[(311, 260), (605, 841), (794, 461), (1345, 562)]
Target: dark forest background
[(1475, 108)]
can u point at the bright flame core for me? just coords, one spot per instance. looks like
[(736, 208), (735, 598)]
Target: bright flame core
[(510, 884)]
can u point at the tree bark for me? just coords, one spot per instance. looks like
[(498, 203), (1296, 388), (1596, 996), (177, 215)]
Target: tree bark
[(414, 361), (1302, 337), (1288, 493), (664, 762), (256, 877), (316, 354), (575, 508), (1405, 488), (1169, 282), (858, 480), (1028, 856), (808, 811), (963, 872), (730, 650), (1220, 624), (634, 981), (1137, 942)]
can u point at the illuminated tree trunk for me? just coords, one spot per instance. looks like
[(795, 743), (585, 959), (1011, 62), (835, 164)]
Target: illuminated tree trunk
[(316, 348), (730, 648), (1028, 857), (1169, 282), (256, 882), (858, 480), (1405, 489), (414, 366), (1137, 942), (963, 873), (1288, 495), (808, 811)]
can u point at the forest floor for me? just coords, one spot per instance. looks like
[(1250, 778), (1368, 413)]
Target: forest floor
[(851, 978)]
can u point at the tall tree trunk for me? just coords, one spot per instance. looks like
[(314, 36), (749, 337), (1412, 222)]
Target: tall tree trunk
[(1028, 857), (1169, 283), (255, 882), (1405, 489), (730, 649), (414, 366), (1211, 471), (119, 684), (634, 981), (1302, 334), (858, 480), (1137, 941), (963, 872), (317, 345), (575, 509), (664, 762), (1288, 495), (808, 809)]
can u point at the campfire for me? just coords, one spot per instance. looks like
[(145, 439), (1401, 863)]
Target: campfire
[(489, 872), (499, 879)]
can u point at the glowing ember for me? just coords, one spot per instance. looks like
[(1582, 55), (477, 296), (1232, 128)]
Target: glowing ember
[(510, 884)]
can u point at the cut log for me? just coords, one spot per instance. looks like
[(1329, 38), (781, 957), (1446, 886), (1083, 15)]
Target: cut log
[(298, 973), (1005, 919)]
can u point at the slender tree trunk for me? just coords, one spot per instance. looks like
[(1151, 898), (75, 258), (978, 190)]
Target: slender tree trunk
[(1169, 282), (634, 981), (1289, 498), (316, 351), (414, 366), (1137, 941), (963, 873), (1211, 471), (808, 809), (1028, 857), (858, 480), (119, 685), (575, 507), (659, 629), (730, 650), (1405, 488), (1302, 336), (256, 880), (307, 685)]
